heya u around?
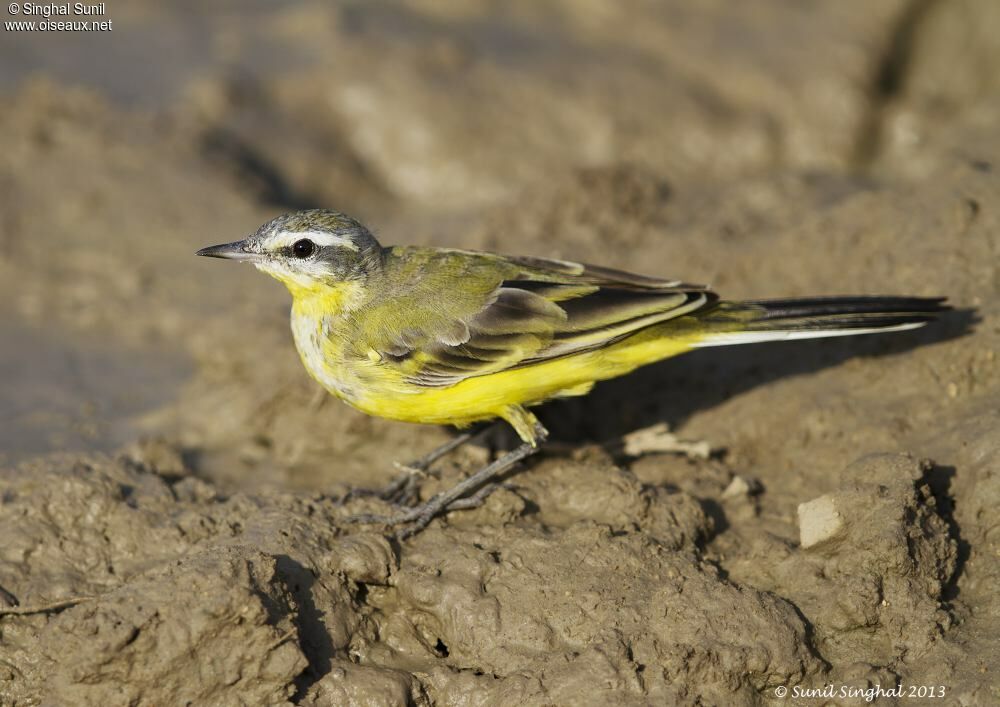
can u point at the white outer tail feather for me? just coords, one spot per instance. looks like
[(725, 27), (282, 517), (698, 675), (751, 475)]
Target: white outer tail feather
[(754, 337)]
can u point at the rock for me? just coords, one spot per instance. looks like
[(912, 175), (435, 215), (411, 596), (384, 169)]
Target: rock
[(819, 521)]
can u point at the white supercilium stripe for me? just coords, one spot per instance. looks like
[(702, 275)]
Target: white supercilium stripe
[(320, 238)]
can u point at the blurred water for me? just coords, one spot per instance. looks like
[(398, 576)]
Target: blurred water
[(153, 50), (69, 393)]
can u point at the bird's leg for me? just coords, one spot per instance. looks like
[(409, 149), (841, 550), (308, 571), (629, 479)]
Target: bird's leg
[(417, 518), (424, 462), (475, 500), (421, 515), (403, 486)]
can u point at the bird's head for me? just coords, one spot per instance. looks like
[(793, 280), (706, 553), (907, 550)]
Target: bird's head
[(307, 250)]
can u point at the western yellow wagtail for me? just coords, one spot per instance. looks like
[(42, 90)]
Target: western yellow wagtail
[(445, 336)]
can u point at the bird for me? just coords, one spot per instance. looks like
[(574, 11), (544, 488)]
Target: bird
[(458, 337)]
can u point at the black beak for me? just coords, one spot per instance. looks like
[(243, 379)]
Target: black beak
[(230, 251)]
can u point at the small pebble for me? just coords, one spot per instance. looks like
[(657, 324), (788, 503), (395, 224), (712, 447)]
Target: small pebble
[(819, 520)]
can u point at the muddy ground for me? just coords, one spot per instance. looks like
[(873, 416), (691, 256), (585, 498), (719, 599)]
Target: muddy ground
[(170, 475)]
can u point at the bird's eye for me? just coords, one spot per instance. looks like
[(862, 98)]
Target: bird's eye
[(303, 248)]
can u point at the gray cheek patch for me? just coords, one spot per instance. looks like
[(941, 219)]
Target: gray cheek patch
[(335, 261)]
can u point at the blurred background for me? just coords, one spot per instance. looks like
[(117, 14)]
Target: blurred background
[(773, 148), (741, 144)]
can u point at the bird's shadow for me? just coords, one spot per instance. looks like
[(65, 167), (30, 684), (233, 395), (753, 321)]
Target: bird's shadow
[(673, 390)]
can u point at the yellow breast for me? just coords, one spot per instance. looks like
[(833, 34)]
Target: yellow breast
[(317, 314), (379, 388)]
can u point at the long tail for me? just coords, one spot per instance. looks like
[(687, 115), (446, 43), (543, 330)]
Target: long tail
[(815, 317)]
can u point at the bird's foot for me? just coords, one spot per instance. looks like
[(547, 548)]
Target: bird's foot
[(399, 491), (416, 518), (403, 489), (482, 482)]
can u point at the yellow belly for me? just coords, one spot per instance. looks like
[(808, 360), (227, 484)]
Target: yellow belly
[(486, 397), (377, 388)]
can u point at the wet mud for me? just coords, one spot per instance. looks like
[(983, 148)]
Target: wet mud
[(170, 530)]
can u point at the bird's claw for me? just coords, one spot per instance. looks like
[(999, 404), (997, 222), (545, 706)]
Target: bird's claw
[(417, 518), (464, 495), (399, 490), (410, 518)]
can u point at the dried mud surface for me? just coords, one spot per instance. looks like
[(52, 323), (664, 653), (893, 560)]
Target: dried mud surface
[(170, 476)]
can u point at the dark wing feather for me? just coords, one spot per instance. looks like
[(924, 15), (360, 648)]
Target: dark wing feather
[(540, 310), (568, 272)]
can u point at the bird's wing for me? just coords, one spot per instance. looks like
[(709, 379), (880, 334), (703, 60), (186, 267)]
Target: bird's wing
[(525, 311)]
